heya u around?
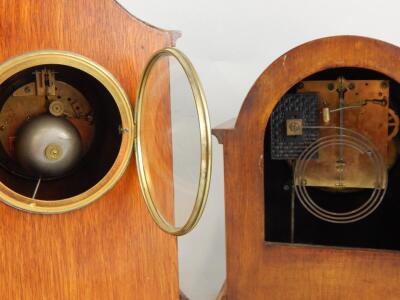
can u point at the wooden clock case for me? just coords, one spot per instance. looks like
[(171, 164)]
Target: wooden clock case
[(257, 269), (110, 249)]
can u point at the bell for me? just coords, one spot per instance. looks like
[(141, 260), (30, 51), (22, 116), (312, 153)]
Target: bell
[(48, 146)]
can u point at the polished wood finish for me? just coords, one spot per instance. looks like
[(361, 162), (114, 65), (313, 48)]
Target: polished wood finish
[(110, 249), (260, 270)]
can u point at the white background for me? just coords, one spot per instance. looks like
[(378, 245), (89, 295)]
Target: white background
[(231, 43)]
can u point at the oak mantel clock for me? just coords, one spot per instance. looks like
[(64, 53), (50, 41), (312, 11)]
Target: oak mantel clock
[(312, 174), (73, 108)]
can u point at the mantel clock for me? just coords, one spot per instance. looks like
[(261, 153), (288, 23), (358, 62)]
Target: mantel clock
[(311, 176)]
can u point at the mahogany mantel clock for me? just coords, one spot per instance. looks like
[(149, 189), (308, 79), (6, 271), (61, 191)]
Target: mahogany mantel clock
[(73, 107), (312, 174)]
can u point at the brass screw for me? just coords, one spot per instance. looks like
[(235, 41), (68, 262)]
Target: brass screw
[(56, 108), (340, 164), (122, 130), (294, 126), (53, 152)]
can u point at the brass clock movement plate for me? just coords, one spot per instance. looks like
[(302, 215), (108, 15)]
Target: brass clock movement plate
[(45, 95), (364, 109)]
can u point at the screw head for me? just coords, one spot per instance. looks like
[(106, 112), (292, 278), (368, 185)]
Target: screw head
[(53, 152), (56, 108)]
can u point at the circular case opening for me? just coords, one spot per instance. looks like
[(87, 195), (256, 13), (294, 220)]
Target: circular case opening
[(65, 131)]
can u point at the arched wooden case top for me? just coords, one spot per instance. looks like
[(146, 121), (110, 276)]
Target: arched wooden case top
[(77, 67), (295, 248)]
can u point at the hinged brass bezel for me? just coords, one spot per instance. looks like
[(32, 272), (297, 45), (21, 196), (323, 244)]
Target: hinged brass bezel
[(205, 142)]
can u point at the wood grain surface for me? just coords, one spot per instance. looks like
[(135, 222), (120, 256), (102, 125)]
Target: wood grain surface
[(110, 249), (257, 270)]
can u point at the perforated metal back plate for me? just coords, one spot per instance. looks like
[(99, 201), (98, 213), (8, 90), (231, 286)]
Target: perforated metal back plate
[(303, 106)]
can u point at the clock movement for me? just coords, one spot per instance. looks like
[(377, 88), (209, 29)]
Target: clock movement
[(89, 120), (311, 171), (62, 126)]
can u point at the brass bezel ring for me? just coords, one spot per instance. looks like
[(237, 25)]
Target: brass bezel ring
[(56, 57), (205, 140)]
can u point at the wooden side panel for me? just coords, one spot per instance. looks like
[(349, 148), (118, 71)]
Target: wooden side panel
[(110, 249), (257, 270)]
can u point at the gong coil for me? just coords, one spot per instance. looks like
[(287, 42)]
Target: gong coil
[(353, 140)]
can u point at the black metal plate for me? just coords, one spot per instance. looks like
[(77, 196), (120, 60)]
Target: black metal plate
[(294, 106)]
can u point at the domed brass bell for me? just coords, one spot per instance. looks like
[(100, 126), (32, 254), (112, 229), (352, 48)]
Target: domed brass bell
[(48, 146)]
